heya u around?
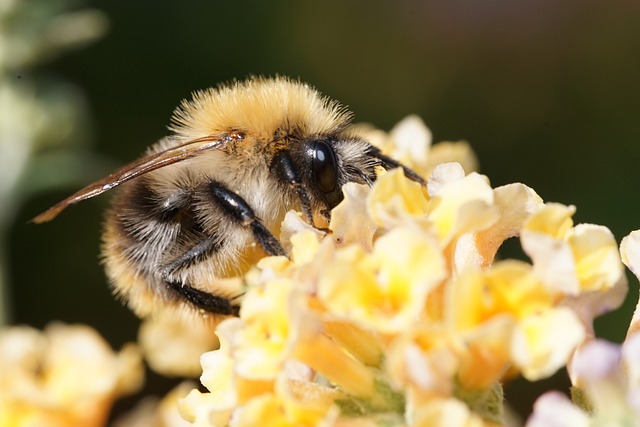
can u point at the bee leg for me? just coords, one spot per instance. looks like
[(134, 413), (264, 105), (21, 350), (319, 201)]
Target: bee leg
[(287, 173), (240, 211), (389, 163), (204, 300), (200, 250)]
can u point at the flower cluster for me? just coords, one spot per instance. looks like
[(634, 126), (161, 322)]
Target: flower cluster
[(606, 390), (65, 376), (402, 313), (605, 376)]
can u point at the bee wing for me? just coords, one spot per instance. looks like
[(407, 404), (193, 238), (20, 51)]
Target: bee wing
[(139, 167)]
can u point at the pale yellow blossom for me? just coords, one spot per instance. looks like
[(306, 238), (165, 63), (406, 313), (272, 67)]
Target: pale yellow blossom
[(605, 389), (387, 289), (554, 409), (508, 287), (363, 343), (395, 200), (484, 353), (154, 412), (605, 376), (445, 413), (292, 225), (540, 347), (260, 346), (515, 203), (525, 311), (65, 376), (570, 259), (411, 142), (423, 361), (350, 220), (398, 314), (172, 345), (459, 204), (631, 369), (339, 367), (581, 262), (215, 407), (452, 151), (630, 253), (269, 410), (293, 403)]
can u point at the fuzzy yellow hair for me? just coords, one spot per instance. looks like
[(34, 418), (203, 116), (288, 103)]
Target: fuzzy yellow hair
[(258, 106)]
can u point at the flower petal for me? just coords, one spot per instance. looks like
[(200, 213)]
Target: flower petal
[(540, 347)]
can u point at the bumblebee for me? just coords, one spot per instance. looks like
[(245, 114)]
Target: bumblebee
[(207, 201)]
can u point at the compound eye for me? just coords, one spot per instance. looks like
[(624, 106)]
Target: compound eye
[(324, 166)]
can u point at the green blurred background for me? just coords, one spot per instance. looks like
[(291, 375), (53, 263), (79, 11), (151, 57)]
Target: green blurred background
[(547, 92)]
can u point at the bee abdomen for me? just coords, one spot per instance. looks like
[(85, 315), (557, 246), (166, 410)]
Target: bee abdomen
[(160, 251)]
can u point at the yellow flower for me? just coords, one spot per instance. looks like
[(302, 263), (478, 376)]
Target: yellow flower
[(507, 287), (630, 253), (445, 413), (154, 412), (410, 142), (215, 407), (395, 200), (292, 403), (540, 347), (459, 204), (269, 410), (555, 409), (631, 367), (571, 260), (387, 289), (507, 315), (514, 203), (66, 376), (606, 393), (423, 361), (456, 209), (335, 364), (398, 314), (260, 344), (350, 220), (606, 376), (484, 353), (294, 224), (172, 346), (580, 262)]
